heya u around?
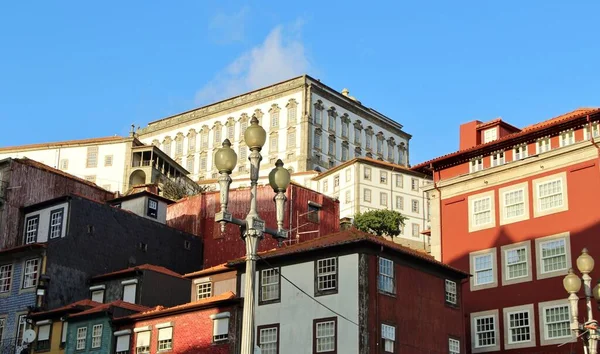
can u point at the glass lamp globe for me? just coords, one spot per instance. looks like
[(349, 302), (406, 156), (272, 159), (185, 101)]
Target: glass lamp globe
[(585, 262), (279, 178), (255, 135), (225, 158), (596, 292), (571, 282)]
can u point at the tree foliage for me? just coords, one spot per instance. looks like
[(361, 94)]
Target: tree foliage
[(379, 222)]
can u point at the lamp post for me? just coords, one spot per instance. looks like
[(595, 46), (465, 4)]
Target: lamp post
[(572, 284), (252, 227)]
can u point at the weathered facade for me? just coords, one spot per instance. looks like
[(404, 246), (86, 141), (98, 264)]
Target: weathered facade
[(308, 215)]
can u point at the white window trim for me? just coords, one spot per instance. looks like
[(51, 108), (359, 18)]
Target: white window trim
[(472, 169), (504, 250), (547, 142), (501, 194), (544, 340), (507, 338), (472, 257), (565, 205), (566, 133), (492, 348), (471, 200), (538, 255), (492, 137), (524, 152), (497, 155), (595, 127)]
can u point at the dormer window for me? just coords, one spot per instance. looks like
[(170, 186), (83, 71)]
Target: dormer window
[(519, 152), (498, 159), (567, 138), (595, 131), (476, 165), (543, 145), (490, 135), (152, 208)]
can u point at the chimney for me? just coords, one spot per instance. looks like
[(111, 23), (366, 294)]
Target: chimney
[(345, 223), (469, 136)]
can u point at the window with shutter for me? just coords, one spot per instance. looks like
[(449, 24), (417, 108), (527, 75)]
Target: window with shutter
[(122, 344)]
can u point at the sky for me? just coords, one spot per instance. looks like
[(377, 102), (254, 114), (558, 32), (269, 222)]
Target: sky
[(81, 69)]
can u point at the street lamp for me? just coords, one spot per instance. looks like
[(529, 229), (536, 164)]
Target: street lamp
[(252, 227), (572, 284)]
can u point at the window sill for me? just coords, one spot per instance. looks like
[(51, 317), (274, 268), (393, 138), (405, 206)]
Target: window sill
[(276, 301), (452, 306), (326, 292), (386, 293)]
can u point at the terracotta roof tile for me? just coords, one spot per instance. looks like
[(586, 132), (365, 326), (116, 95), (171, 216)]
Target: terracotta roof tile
[(160, 310), (80, 305), (63, 143), (151, 267), (22, 248), (105, 307), (212, 270)]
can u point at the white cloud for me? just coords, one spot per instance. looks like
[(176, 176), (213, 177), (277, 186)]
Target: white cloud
[(229, 27), (281, 56)]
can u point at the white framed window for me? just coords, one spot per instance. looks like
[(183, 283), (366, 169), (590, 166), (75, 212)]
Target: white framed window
[(490, 135), (595, 131), (388, 337), (327, 274), (348, 175), (220, 326), (269, 285), (336, 182), (416, 232), (385, 280), (142, 342), (152, 208), (555, 322), (189, 164), (383, 177), (476, 165), (497, 159), (64, 164), (482, 265), (122, 345), (368, 139), (317, 140), (367, 173), (514, 203), (348, 197), (383, 199), (203, 140), (399, 181), (165, 338), (550, 194), (6, 272), (43, 337), (516, 263), (399, 202), (325, 335), (273, 141), (380, 145), (92, 157), (129, 291), (331, 120), (553, 255), (203, 290), (30, 276), (98, 295), (318, 115), (345, 126), (567, 138), (96, 336), (367, 195), (519, 152), (179, 145), (22, 326), (108, 160), (81, 338), (484, 331), (291, 139), (231, 132), (331, 146), (481, 211), (451, 294), (414, 205), (32, 224), (519, 331), (414, 184), (268, 339), (357, 135), (543, 145), (56, 222), (453, 346)]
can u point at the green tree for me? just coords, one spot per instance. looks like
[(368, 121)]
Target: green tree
[(379, 222)]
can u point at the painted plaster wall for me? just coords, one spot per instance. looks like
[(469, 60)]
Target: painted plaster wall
[(44, 221), (296, 311), (107, 341), (55, 339), (140, 206)]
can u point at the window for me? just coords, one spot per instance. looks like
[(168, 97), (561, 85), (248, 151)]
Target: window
[(345, 127), (325, 186), (415, 230), (31, 228), (179, 145), (380, 145), (485, 331), (318, 114), (56, 217), (555, 322), (291, 139), (390, 154), (414, 205), (190, 164), (325, 333), (514, 203), (368, 139), (22, 326), (291, 113), (231, 132), (367, 173), (220, 326), (453, 346), (81, 338), (553, 255), (331, 119), (497, 159), (595, 131), (217, 136), (451, 294), (348, 175), (399, 181), (414, 184), (388, 337), (268, 339), (274, 139), (348, 197), (481, 211), (129, 291), (108, 160), (519, 152), (191, 141), (331, 146), (269, 285), (203, 140), (5, 278), (383, 177), (64, 164), (2, 325), (122, 346), (344, 152), (63, 334), (326, 276), (400, 203), (336, 182), (313, 212), (385, 281), (91, 178), (167, 146), (519, 327), (357, 134), (543, 145), (317, 140), (142, 342), (165, 338), (30, 276), (490, 135), (383, 199), (92, 157), (567, 138), (275, 118), (367, 195), (203, 290), (43, 338), (476, 165), (96, 336), (550, 194), (98, 295), (203, 164), (152, 208), (516, 263), (482, 264)]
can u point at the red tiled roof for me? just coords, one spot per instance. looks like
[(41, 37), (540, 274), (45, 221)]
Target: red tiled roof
[(151, 267), (347, 237), (63, 143), (139, 194), (206, 302), (80, 305), (564, 118), (212, 270), (105, 307), (365, 160), (22, 248)]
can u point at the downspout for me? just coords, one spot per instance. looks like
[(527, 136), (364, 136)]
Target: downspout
[(437, 188)]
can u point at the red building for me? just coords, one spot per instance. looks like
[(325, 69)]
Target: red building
[(309, 214), (515, 207)]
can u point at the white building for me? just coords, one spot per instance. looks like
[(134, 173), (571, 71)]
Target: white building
[(309, 126)]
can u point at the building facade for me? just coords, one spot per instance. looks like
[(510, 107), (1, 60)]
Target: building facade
[(515, 207), (309, 126)]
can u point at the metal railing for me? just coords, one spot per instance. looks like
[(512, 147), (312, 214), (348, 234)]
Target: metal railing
[(141, 163)]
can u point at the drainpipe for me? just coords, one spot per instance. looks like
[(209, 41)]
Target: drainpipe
[(437, 188)]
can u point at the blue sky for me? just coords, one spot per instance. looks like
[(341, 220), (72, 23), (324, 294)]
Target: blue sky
[(82, 69)]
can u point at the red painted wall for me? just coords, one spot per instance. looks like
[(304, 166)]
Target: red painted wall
[(196, 215), (582, 220), (418, 310), (469, 135)]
